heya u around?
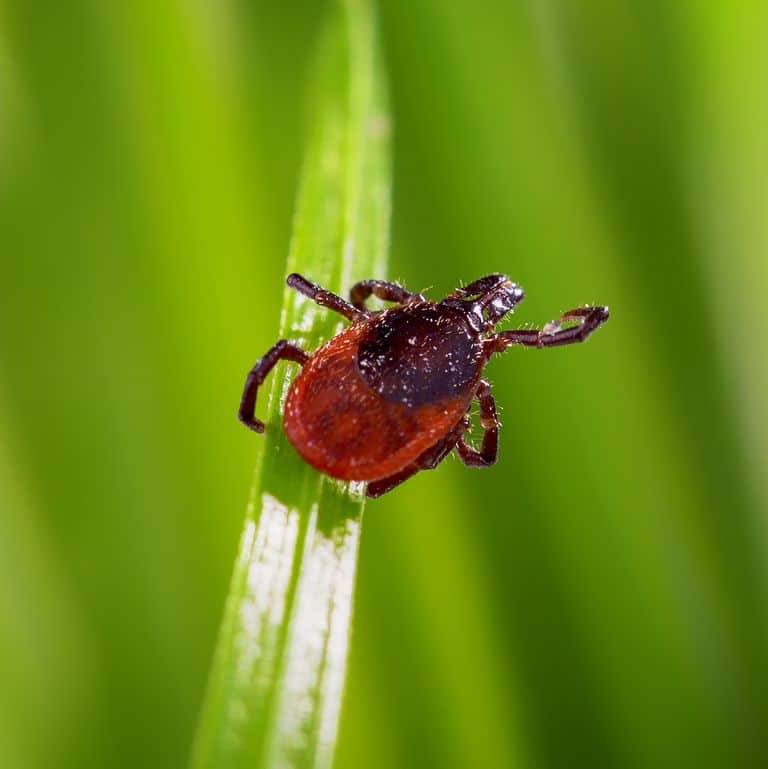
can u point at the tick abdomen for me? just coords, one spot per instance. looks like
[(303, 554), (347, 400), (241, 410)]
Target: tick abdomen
[(358, 411)]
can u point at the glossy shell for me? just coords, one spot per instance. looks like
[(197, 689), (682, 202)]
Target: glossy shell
[(378, 395)]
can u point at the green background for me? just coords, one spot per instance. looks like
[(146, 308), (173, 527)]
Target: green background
[(598, 598)]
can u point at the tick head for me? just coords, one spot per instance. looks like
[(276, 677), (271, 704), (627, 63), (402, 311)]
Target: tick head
[(487, 301)]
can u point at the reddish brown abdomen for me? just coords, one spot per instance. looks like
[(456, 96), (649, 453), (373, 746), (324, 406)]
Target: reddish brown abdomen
[(347, 429)]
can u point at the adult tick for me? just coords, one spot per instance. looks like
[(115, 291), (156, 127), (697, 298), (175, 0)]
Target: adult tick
[(391, 394)]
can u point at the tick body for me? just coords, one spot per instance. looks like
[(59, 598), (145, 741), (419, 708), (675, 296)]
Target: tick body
[(391, 394)]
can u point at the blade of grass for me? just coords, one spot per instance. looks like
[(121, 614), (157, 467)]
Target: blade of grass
[(276, 683)]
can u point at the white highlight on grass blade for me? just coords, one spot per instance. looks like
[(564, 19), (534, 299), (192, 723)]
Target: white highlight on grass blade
[(313, 680), (267, 554), (269, 572)]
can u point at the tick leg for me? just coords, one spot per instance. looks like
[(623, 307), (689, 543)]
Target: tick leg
[(480, 286), (429, 460), (388, 292), (282, 350), (325, 298), (552, 335), (489, 449), (377, 488), (432, 457)]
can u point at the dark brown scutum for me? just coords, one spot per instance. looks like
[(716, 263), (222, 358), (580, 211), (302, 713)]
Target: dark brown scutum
[(419, 354)]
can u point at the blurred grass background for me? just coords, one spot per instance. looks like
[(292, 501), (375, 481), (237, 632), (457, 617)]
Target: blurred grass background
[(599, 597)]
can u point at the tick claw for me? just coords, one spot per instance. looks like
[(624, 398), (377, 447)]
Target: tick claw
[(253, 424)]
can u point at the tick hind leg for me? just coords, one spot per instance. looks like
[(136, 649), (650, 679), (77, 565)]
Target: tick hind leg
[(378, 488), (382, 289), (489, 449), (429, 460), (588, 319), (282, 350), (325, 298)]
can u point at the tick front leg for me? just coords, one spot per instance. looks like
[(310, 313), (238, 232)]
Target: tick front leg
[(325, 298), (489, 449), (384, 290), (283, 350), (588, 319)]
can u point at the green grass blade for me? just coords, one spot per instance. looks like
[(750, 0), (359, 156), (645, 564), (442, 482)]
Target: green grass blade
[(276, 684)]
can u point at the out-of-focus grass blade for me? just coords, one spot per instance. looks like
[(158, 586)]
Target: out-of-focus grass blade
[(275, 688)]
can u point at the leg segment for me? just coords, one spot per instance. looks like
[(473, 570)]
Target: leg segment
[(489, 449), (429, 460), (325, 298), (552, 335), (432, 457), (382, 289), (377, 488), (283, 350), (481, 286)]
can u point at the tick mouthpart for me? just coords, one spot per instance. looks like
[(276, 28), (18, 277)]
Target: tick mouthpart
[(494, 305), (515, 291)]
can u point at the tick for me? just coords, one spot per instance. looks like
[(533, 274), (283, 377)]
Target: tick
[(391, 394)]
